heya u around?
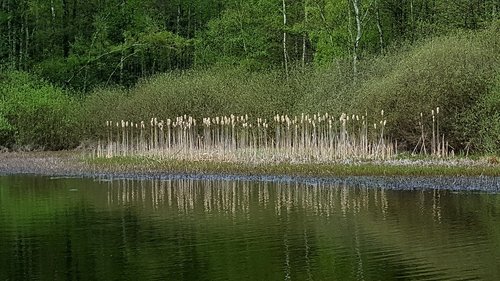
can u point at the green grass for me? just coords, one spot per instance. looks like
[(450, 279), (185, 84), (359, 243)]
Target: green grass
[(152, 165)]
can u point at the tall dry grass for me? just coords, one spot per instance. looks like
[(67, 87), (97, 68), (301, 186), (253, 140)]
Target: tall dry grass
[(240, 138)]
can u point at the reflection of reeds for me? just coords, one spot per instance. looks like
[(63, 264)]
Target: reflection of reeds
[(241, 197), (305, 138)]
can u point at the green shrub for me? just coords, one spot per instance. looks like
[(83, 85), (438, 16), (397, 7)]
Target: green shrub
[(201, 93), (452, 72), (6, 133), (483, 121), (37, 115)]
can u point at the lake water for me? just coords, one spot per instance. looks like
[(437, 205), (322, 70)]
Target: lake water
[(185, 229)]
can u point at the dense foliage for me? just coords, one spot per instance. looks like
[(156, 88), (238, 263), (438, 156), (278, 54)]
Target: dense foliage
[(81, 44), (35, 114), (131, 59)]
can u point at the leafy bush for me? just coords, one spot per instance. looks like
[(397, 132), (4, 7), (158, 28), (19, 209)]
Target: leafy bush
[(452, 72), (484, 121), (36, 114), (203, 93)]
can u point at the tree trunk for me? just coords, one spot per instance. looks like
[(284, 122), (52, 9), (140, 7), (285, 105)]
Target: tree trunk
[(412, 21), (242, 32), (10, 38), (53, 13), (26, 38), (285, 53), (20, 43), (122, 59), (380, 31), (65, 42), (323, 18), (356, 4), (178, 21), (304, 36)]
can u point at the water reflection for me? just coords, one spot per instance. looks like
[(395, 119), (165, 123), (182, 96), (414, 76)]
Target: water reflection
[(238, 197), (186, 229)]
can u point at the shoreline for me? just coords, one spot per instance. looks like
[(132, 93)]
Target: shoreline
[(457, 175)]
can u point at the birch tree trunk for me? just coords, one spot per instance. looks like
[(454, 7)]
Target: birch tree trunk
[(304, 36), (379, 28), (53, 13), (356, 4), (178, 20), (412, 21), (494, 10), (285, 53), (20, 43), (26, 38), (10, 38)]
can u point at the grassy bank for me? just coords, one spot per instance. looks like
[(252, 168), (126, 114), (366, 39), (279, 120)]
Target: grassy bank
[(420, 168)]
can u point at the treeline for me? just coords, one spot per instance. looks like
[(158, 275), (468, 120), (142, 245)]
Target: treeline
[(68, 66), (80, 44)]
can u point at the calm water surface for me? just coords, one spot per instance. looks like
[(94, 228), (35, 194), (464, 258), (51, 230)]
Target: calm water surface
[(81, 229)]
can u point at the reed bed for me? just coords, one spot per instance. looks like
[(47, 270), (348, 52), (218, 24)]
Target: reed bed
[(301, 139), (438, 146)]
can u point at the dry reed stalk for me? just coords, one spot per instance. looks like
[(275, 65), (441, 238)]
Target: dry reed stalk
[(304, 138)]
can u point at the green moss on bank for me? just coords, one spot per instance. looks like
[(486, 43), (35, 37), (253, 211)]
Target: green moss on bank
[(152, 165)]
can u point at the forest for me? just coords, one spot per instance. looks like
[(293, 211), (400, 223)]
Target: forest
[(68, 66)]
